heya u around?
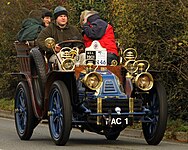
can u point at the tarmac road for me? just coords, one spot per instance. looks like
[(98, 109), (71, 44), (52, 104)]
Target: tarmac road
[(78, 141)]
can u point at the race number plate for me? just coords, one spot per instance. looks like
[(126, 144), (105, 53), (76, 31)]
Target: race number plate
[(99, 57), (97, 53)]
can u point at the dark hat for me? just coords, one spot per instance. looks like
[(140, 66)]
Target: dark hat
[(46, 12), (59, 10)]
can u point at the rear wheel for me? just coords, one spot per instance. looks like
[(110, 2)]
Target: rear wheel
[(60, 114), (24, 116), (157, 104)]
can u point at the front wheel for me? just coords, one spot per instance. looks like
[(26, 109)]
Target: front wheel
[(157, 104), (60, 114)]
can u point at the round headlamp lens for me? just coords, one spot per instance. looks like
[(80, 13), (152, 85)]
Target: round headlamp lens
[(144, 81), (93, 80), (68, 64)]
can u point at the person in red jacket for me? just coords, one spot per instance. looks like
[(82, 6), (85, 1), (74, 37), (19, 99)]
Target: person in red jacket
[(94, 28)]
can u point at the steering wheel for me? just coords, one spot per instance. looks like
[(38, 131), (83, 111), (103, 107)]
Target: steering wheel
[(71, 43)]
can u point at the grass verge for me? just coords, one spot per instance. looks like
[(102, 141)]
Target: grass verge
[(7, 104)]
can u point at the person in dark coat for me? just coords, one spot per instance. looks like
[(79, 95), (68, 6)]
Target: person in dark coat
[(31, 27), (37, 20), (94, 28), (60, 30)]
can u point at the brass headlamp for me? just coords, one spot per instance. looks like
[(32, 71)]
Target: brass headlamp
[(144, 81), (68, 64), (92, 80)]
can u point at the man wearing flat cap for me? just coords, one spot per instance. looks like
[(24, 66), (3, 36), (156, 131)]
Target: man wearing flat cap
[(59, 29)]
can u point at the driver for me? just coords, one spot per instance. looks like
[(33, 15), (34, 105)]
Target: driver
[(60, 30)]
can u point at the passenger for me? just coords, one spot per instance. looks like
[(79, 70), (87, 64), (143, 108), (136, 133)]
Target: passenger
[(37, 20), (94, 28), (31, 27), (46, 16), (60, 30)]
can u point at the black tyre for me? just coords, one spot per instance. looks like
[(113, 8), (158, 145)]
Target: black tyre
[(60, 113), (112, 135), (24, 116), (157, 104), (38, 72)]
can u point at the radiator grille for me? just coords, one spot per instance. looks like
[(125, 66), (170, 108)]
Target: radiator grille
[(109, 87)]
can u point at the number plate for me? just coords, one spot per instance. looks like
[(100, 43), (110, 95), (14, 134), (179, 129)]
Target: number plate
[(117, 121)]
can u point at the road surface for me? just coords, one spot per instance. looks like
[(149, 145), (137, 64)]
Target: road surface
[(41, 140)]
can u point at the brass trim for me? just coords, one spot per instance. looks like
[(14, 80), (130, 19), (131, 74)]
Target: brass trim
[(131, 66), (99, 110), (128, 75), (50, 43), (114, 63), (131, 106), (130, 54), (145, 62)]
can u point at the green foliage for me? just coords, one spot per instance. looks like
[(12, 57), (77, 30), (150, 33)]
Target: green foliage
[(13, 12), (75, 7), (178, 125), (7, 104), (157, 29)]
